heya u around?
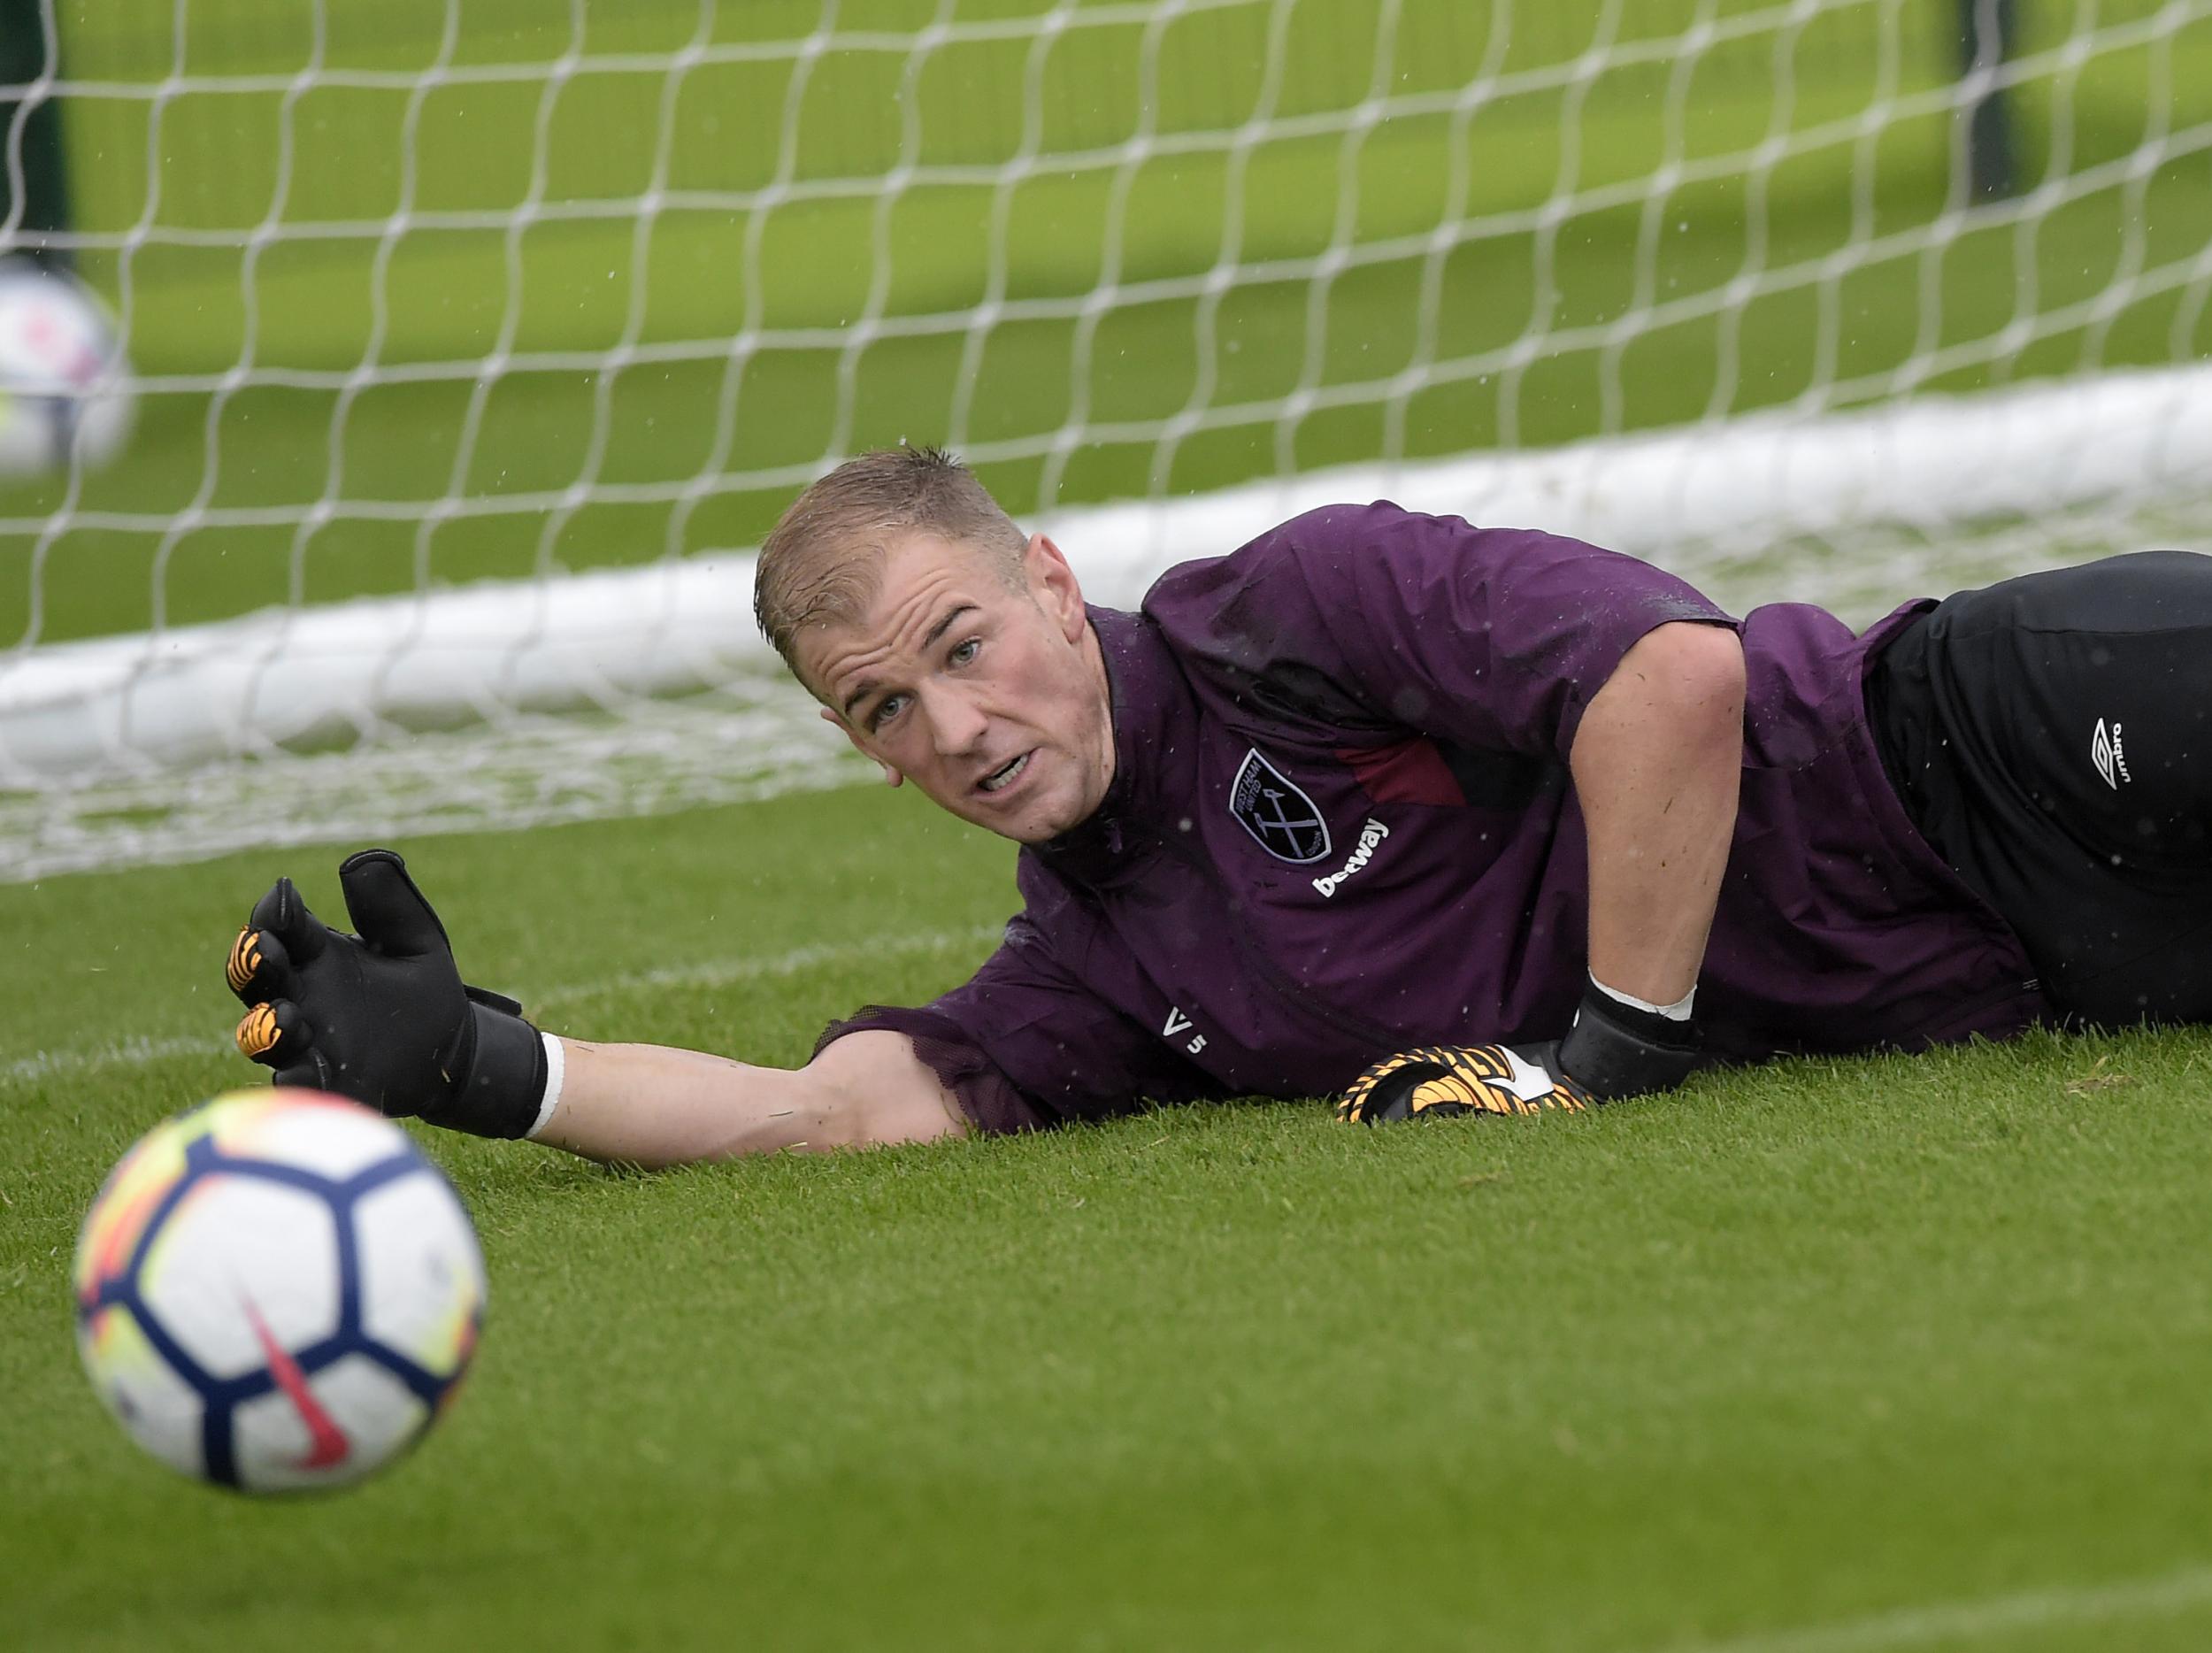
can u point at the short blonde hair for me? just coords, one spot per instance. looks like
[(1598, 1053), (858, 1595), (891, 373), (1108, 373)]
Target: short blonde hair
[(822, 562)]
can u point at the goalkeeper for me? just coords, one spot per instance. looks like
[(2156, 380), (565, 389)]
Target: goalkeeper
[(1440, 819)]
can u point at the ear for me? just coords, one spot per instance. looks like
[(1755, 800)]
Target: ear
[(891, 776), (1055, 586)]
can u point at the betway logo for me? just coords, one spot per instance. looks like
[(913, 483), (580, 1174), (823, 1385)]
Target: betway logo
[(1369, 835)]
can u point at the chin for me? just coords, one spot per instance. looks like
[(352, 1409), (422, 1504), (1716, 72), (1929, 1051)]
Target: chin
[(1021, 827), (1045, 821), (1058, 807), (1030, 826)]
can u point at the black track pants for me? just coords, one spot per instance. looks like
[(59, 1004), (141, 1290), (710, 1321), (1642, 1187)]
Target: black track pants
[(2052, 737)]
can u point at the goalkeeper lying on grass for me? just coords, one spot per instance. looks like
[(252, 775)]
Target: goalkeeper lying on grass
[(1445, 820)]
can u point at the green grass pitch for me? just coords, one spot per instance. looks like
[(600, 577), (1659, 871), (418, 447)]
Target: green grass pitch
[(1870, 1355)]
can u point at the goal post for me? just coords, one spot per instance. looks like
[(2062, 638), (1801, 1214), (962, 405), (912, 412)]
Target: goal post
[(1988, 32), (475, 343), (33, 187)]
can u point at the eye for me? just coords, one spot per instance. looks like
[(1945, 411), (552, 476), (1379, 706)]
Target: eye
[(966, 651), (887, 707)]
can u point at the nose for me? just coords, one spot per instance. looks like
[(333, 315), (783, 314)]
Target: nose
[(957, 722)]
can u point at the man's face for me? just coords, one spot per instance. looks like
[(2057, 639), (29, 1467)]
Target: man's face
[(993, 701)]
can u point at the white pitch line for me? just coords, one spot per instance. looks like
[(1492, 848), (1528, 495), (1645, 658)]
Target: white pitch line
[(728, 971), (122, 1053), (706, 974), (1980, 1620)]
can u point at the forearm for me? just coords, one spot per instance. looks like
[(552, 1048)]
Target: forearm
[(652, 1105), (1657, 765)]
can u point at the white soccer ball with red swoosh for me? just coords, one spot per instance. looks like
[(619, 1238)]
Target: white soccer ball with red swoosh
[(277, 1291)]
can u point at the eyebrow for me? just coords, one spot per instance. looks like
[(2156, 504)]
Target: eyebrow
[(943, 625)]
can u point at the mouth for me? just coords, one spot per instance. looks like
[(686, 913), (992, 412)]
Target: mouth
[(1006, 774)]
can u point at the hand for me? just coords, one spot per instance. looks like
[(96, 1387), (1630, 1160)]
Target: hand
[(1442, 1081), (382, 1017)]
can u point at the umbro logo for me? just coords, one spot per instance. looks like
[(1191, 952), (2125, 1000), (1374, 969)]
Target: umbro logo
[(2107, 751)]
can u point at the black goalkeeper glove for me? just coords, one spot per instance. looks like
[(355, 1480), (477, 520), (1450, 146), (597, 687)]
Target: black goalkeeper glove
[(382, 1017), (1613, 1050)]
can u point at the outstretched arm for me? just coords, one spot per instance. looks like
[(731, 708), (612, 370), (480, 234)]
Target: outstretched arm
[(382, 1017), (652, 1106)]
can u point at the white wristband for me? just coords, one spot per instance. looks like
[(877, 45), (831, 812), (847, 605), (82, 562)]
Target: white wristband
[(555, 1069), (1677, 1011)]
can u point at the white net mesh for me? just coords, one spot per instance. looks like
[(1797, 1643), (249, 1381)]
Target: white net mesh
[(465, 332)]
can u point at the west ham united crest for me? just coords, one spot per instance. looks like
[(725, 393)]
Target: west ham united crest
[(1274, 809)]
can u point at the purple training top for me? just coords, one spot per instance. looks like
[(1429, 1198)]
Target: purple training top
[(1340, 824)]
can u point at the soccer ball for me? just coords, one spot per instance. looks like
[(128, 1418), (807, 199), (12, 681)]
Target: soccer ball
[(64, 388), (277, 1291)]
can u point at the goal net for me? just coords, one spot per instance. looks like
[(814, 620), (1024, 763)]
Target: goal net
[(474, 342)]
